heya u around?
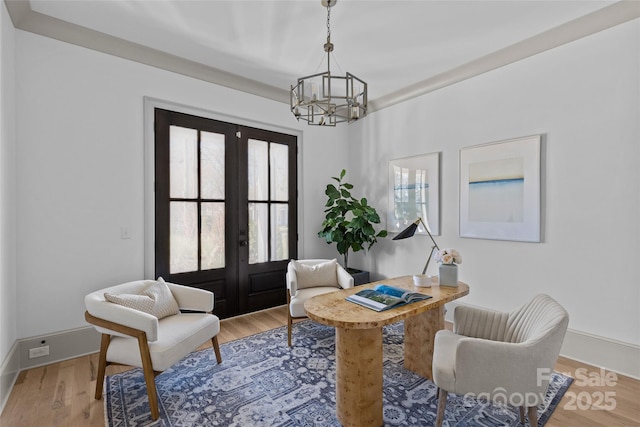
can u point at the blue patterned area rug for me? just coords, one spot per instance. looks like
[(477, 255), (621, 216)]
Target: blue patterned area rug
[(263, 382)]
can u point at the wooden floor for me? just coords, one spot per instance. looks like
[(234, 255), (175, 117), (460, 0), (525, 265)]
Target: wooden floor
[(61, 394)]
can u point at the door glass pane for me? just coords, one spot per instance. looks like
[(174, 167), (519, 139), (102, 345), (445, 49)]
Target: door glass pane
[(183, 162), (279, 154), (258, 233), (212, 165), (183, 237), (212, 235), (279, 232), (258, 172)]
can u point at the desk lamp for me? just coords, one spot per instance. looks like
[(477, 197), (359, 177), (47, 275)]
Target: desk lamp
[(410, 231)]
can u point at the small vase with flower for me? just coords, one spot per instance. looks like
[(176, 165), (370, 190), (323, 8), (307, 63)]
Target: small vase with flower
[(448, 270)]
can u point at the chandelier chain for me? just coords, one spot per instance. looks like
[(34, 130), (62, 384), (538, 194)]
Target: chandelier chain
[(328, 22)]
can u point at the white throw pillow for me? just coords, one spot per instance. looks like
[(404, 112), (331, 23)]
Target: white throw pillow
[(311, 276), (156, 299)]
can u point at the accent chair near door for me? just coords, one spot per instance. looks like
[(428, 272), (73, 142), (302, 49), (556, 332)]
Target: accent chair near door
[(500, 356), (308, 278), (142, 325)]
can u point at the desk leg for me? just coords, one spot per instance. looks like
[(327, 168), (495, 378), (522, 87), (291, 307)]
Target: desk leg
[(359, 377), (419, 336)]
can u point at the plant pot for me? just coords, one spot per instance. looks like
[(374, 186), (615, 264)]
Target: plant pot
[(360, 277), (448, 275)]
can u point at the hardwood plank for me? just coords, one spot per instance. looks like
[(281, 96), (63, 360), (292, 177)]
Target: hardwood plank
[(597, 397), (35, 393), (81, 397), (96, 407), (62, 398), (38, 390)]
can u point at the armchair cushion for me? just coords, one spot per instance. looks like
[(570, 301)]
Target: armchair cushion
[(155, 299), (310, 276), (177, 336), (296, 305)]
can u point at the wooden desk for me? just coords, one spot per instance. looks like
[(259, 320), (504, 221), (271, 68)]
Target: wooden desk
[(359, 343)]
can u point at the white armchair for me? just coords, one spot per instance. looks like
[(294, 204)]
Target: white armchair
[(308, 278), (500, 355), (137, 338)]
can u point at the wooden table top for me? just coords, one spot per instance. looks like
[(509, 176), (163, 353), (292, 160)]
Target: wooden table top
[(334, 310)]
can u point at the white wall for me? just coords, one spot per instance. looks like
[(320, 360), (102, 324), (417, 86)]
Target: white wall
[(585, 98), (80, 172), (8, 310)]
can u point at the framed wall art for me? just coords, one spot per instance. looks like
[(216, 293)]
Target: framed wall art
[(500, 190), (414, 191)]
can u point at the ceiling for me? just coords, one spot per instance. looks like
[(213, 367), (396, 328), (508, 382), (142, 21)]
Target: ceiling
[(398, 47)]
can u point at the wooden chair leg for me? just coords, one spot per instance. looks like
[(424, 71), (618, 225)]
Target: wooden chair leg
[(216, 348), (149, 376), (522, 419), (533, 416), (442, 404), (102, 365)]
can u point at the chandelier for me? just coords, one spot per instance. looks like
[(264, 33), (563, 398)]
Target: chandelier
[(324, 99)]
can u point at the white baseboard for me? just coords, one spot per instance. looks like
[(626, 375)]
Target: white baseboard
[(616, 356), (62, 346), (601, 352), (9, 371)]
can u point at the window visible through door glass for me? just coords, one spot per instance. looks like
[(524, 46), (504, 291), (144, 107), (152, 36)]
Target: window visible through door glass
[(279, 232), (258, 233), (268, 180), (279, 158), (212, 235), (212, 162), (258, 172), (183, 236), (212, 185), (183, 162), (196, 182)]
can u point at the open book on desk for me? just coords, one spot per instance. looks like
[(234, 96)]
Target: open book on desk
[(384, 297)]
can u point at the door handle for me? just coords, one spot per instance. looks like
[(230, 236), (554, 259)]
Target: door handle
[(243, 243)]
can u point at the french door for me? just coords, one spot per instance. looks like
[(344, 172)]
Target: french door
[(225, 209)]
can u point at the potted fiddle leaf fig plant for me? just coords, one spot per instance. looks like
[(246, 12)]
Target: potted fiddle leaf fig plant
[(349, 221)]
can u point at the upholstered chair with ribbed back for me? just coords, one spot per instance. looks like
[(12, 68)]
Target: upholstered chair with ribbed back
[(151, 325), (308, 278), (504, 357)]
